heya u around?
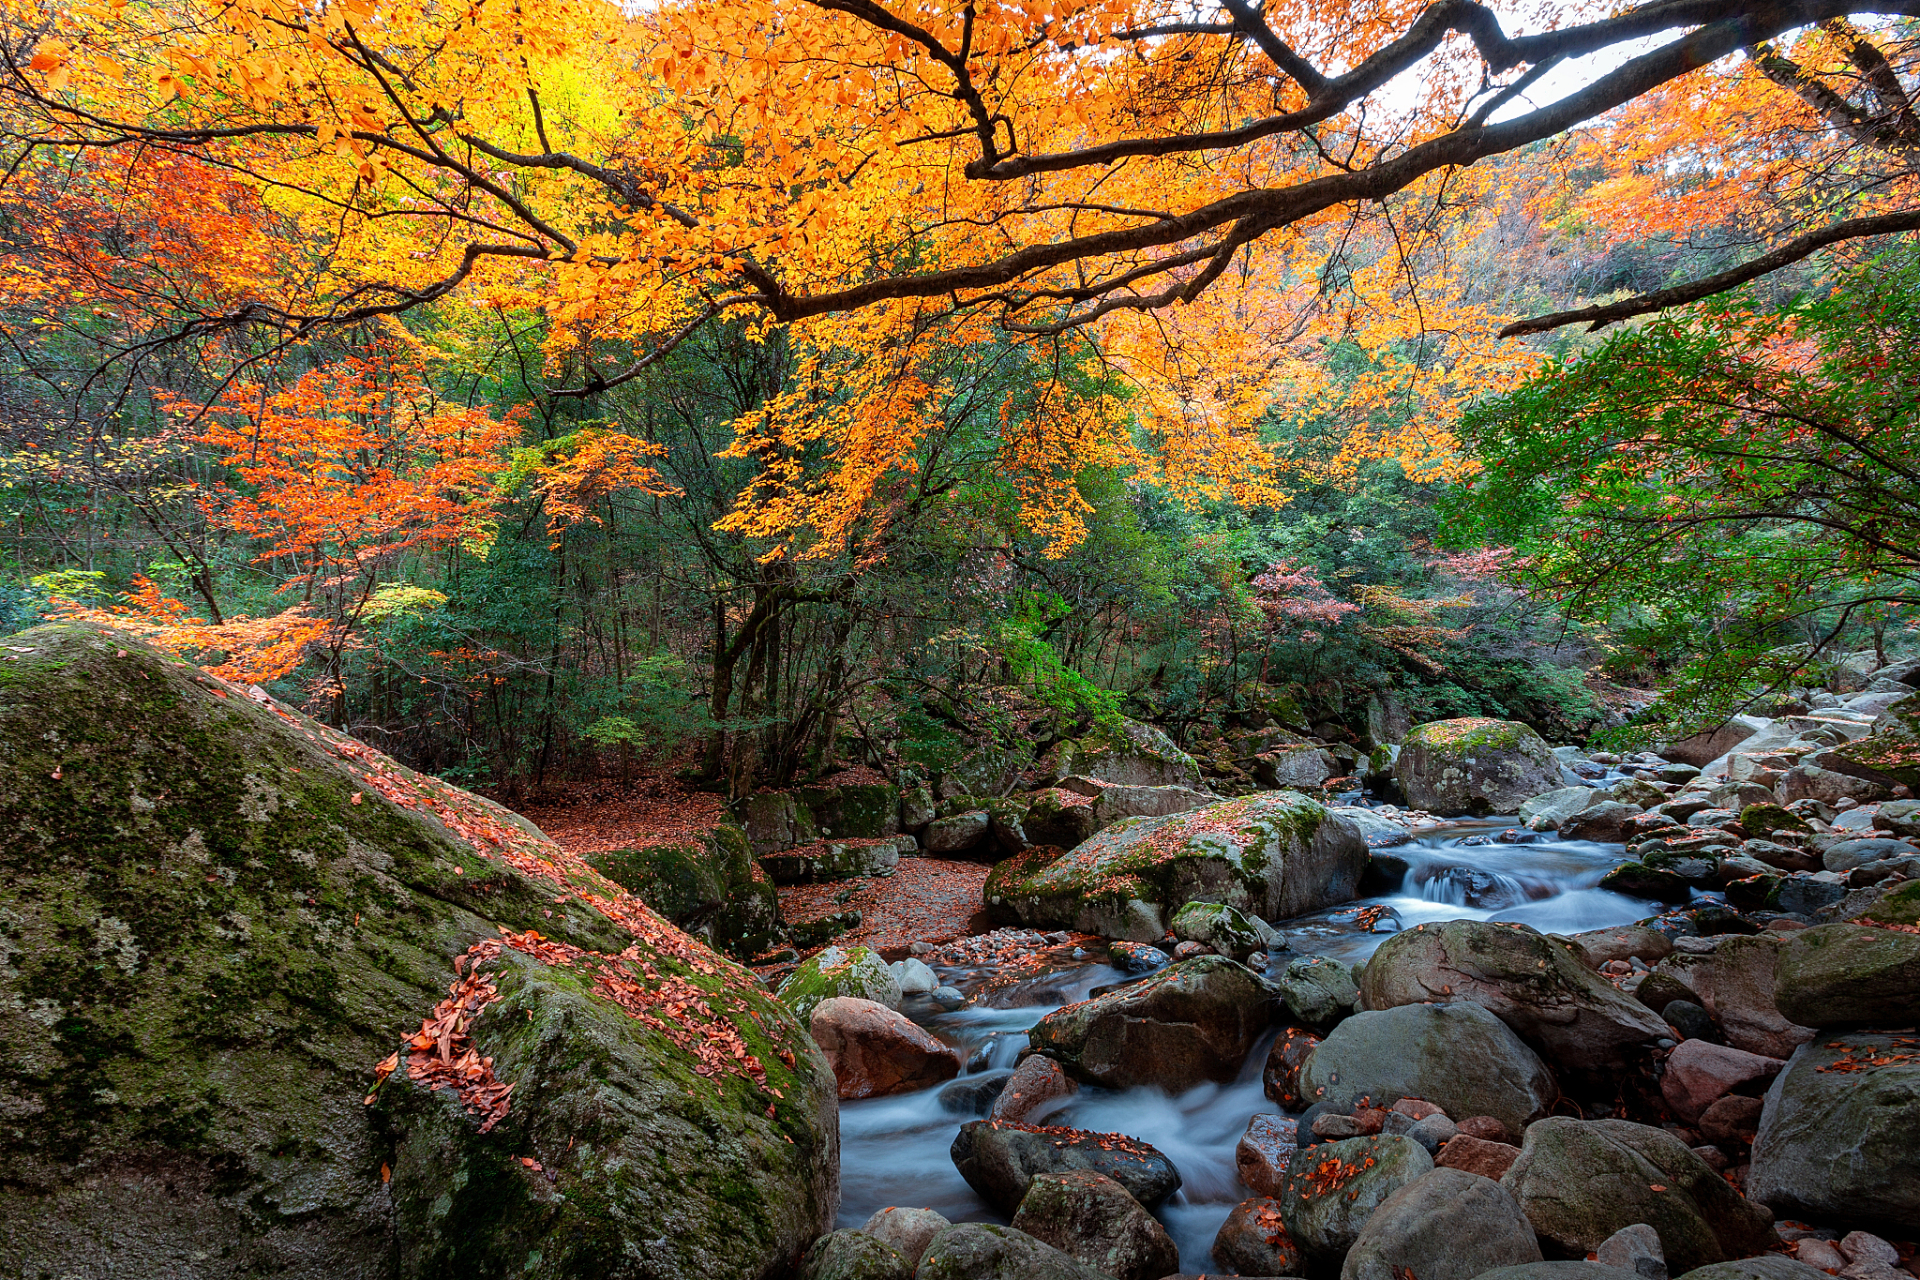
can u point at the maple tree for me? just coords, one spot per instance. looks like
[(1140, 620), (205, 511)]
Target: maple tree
[(1185, 183)]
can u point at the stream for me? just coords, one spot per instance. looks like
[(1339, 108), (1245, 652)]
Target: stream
[(894, 1150)]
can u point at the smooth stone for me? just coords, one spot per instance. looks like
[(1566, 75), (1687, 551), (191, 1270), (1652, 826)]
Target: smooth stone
[(984, 1251), (1446, 1224), (1000, 1161), (1092, 1219), (908, 1230)]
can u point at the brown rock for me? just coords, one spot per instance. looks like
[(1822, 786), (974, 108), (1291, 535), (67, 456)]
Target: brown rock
[(1370, 1119), (1253, 1241), (1188, 950), (1334, 1126), (1477, 1155), (1489, 1129), (1732, 1120), (1282, 1073), (1264, 1152), (1700, 1073), (875, 1051), (1035, 1082), (1418, 1109)]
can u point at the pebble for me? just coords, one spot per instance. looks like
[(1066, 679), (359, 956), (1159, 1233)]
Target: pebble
[(1862, 1246), (1823, 1254)]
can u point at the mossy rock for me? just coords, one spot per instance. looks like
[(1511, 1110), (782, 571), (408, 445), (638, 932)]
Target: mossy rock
[(832, 860), (1127, 752), (840, 971), (1474, 766), (868, 810), (1276, 854), (711, 887), (219, 916), (1645, 880), (1890, 754), (1761, 820)]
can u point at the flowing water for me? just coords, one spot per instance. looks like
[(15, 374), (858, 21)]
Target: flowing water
[(894, 1151)]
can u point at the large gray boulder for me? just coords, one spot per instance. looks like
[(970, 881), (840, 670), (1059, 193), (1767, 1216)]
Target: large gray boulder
[(854, 1255), (1331, 1189), (1275, 855), (1191, 1021), (1839, 1139), (1129, 753), (1579, 1181), (1539, 986), (1474, 766), (983, 1251), (1318, 990), (1735, 982), (1457, 1056), (1549, 809), (1841, 975), (1770, 1266), (1444, 1225), (226, 925)]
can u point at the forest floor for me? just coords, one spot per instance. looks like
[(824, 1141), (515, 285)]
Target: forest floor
[(931, 900)]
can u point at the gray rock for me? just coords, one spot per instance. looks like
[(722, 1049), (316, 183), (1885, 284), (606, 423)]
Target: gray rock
[(1318, 990), (854, 972), (1771, 1266), (1301, 768), (1843, 1145), (1457, 1056), (1560, 1271), (1539, 986), (1254, 1241), (1227, 930), (1274, 854), (1545, 812), (914, 977), (1848, 854), (1091, 1218), (1810, 782), (1444, 1225), (1379, 832), (974, 1095), (1636, 1249), (958, 834), (1840, 975), (1623, 941), (1000, 1161), (983, 1251), (1331, 1190), (1581, 1181), (1474, 766), (1193, 1020), (908, 1230), (854, 1255), (1704, 748), (1605, 822)]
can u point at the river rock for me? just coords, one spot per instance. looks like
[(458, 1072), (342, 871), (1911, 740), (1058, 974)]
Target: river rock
[(1474, 766), (1636, 1249), (1770, 1266), (1845, 855), (1482, 1156), (1264, 1151), (875, 1051), (854, 1255), (1810, 782), (1444, 1225), (1091, 1218), (1458, 1056), (1254, 1241), (914, 977), (908, 1230), (1128, 753), (829, 860), (1318, 990), (1604, 822), (853, 972), (1699, 1074), (1225, 930), (1539, 986), (1735, 983), (1332, 1189), (1061, 818), (1839, 975), (984, 1251), (1732, 1121), (1640, 880), (1193, 1020), (1379, 832), (1839, 1140), (1281, 1075), (221, 915), (1000, 1161), (974, 1095), (1302, 768), (1273, 854), (1037, 1081), (1622, 942), (1579, 1181), (1546, 811)]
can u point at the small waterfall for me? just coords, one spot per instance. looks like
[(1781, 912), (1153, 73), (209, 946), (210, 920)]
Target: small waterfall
[(1461, 886)]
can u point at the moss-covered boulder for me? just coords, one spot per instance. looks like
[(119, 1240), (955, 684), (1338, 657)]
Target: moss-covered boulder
[(777, 820), (271, 999), (1890, 755), (1276, 855), (1850, 975), (861, 810), (1191, 1021), (840, 971), (1474, 766), (712, 887), (1129, 753), (831, 860)]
